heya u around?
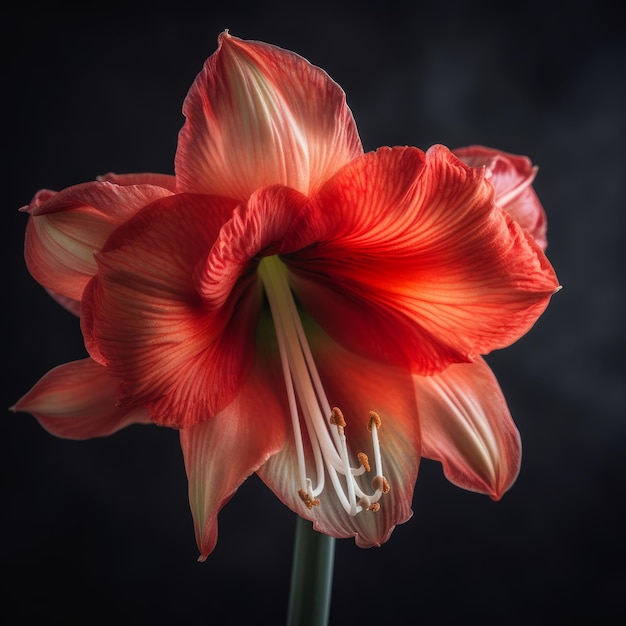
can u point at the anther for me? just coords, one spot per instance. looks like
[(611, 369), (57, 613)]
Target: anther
[(380, 482), (336, 418), (374, 507), (364, 461), (308, 499), (374, 420)]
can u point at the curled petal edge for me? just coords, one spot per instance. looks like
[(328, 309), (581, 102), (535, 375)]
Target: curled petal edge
[(65, 228)]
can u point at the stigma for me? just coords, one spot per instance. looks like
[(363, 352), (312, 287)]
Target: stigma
[(309, 408)]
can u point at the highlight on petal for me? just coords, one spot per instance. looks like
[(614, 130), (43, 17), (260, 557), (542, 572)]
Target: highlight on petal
[(258, 115), (223, 451), (145, 316), (73, 306), (357, 386), (76, 400), (512, 176), (467, 426), (167, 181), (66, 228), (404, 257)]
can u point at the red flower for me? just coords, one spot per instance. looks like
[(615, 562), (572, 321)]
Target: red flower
[(293, 306)]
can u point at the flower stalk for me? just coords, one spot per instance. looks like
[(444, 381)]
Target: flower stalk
[(311, 576)]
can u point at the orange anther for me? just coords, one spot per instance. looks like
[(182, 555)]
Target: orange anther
[(336, 418), (364, 461), (374, 419), (308, 499)]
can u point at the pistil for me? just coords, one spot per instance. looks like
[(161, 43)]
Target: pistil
[(309, 408)]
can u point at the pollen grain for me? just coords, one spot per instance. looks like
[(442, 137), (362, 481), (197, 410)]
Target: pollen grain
[(308, 499)]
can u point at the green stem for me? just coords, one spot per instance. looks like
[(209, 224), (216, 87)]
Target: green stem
[(311, 576)]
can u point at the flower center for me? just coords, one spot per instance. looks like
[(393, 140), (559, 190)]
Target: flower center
[(309, 407)]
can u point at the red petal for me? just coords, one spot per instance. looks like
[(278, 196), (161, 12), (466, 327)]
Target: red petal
[(357, 386), (65, 229), (223, 451), (511, 176), (407, 259), (466, 425), (253, 230), (144, 317), (77, 401), (258, 115)]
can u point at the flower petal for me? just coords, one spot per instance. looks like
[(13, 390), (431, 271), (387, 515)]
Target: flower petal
[(223, 451), (511, 176), (253, 230), (466, 425), (166, 181), (405, 257), (65, 228), (77, 401), (145, 318), (357, 386), (258, 115)]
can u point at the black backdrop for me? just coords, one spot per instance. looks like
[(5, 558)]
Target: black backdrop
[(101, 529)]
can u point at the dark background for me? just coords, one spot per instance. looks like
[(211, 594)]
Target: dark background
[(101, 530)]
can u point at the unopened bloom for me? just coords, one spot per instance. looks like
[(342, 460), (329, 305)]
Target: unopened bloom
[(512, 177), (293, 306)]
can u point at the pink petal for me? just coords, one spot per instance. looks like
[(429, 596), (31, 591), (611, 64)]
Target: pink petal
[(258, 115), (466, 425), (357, 386), (66, 228), (511, 176), (166, 181), (145, 319), (223, 451), (404, 257), (77, 401)]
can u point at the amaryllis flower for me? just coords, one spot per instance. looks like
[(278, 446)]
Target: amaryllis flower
[(293, 306)]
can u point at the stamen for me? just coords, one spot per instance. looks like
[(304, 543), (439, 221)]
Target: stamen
[(374, 426), (366, 504), (374, 421), (364, 461), (308, 404), (380, 482), (337, 419), (308, 499)]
